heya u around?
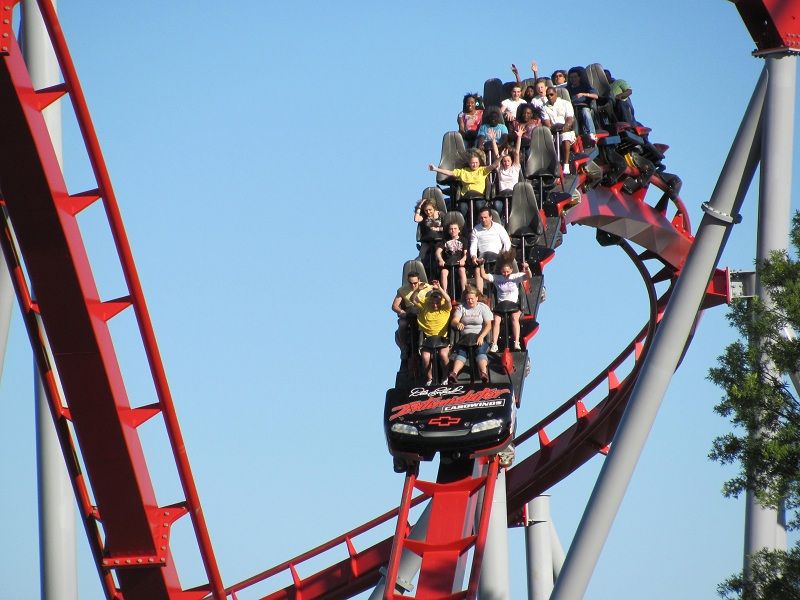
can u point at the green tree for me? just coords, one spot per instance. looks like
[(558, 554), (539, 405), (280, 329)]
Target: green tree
[(764, 409)]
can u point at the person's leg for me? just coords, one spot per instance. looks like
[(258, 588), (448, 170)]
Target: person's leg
[(458, 362), (478, 280), (496, 330), (483, 368), (515, 328), (588, 122), (482, 361), (565, 149), (462, 274), (444, 357), (426, 363)]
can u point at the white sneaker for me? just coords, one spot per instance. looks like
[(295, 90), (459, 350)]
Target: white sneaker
[(565, 169), (493, 348)]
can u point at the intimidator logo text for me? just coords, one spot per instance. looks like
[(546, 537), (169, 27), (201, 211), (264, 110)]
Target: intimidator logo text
[(438, 402)]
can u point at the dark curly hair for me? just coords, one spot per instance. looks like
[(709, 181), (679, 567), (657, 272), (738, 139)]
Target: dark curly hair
[(474, 96)]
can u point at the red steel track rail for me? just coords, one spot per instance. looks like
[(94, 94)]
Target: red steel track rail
[(68, 324)]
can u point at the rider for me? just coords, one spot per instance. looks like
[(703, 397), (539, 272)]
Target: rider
[(471, 317), (433, 317), (402, 307)]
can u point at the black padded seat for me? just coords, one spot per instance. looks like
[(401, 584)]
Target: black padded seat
[(598, 80), (563, 93), (435, 342), (524, 219), (493, 93), (542, 163), (606, 103), (453, 153)]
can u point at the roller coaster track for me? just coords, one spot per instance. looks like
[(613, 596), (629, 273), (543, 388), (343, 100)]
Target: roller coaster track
[(67, 321)]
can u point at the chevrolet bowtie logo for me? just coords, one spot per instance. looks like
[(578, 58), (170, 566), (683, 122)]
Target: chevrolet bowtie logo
[(444, 421)]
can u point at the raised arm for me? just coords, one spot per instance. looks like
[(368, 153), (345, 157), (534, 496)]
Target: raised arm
[(518, 146), (432, 167), (492, 135), (535, 69), (418, 218), (515, 72), (482, 272), (526, 268), (442, 291)]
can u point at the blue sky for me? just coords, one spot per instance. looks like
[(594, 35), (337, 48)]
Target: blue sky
[(266, 157)]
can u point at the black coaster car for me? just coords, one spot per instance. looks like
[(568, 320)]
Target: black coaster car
[(452, 419)]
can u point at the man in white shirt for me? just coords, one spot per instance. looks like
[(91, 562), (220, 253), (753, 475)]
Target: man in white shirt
[(510, 105), (559, 116), (487, 236)]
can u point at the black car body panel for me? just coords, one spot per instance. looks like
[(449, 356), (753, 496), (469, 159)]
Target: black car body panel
[(443, 417)]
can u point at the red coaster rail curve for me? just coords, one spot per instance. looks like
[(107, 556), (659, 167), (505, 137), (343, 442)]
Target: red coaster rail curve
[(67, 321)]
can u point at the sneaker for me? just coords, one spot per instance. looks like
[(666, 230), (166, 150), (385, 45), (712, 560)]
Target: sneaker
[(517, 346), (452, 378), (493, 348), (446, 381), (429, 382), (484, 377), (565, 169)]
